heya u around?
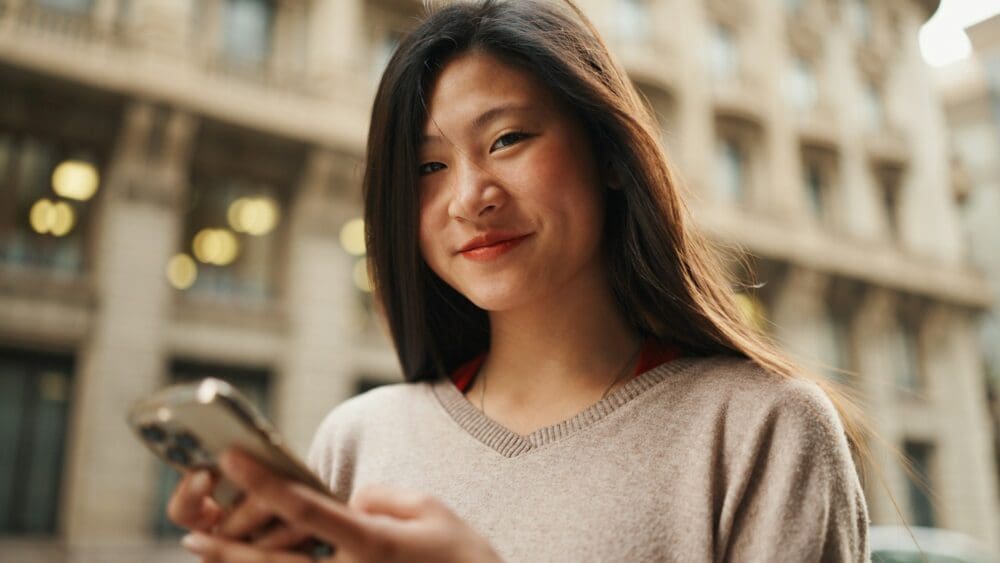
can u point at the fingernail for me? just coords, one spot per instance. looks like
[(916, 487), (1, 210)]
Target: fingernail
[(201, 482), (195, 542)]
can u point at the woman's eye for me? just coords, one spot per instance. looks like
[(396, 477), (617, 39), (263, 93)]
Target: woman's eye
[(508, 139), (430, 167)]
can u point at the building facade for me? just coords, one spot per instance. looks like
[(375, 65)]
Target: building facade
[(180, 195), (971, 92)]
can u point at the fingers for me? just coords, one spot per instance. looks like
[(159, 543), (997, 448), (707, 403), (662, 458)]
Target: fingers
[(247, 519), (190, 505), (401, 503), (297, 504), (218, 550), (281, 537)]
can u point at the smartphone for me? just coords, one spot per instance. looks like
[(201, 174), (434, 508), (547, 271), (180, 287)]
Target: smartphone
[(190, 425)]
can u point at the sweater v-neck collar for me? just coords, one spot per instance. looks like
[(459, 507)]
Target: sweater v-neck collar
[(510, 444)]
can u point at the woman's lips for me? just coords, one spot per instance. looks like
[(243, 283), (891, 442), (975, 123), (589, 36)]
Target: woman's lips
[(492, 251)]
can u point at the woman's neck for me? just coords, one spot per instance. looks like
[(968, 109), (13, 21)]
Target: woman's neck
[(562, 351)]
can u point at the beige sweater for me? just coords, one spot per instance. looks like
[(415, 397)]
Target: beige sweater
[(695, 460)]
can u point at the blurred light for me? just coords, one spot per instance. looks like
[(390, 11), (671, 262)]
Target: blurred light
[(361, 278), (47, 216), (253, 215), (75, 179), (182, 271), (352, 237), (215, 246)]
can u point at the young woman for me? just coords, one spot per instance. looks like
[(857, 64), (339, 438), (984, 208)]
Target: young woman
[(580, 385)]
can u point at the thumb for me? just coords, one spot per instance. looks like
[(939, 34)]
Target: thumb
[(390, 501)]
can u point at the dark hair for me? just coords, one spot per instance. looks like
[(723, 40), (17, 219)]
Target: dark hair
[(660, 269)]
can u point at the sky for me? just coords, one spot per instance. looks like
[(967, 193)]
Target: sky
[(942, 39)]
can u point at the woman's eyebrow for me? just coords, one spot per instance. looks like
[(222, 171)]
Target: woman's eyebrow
[(484, 119)]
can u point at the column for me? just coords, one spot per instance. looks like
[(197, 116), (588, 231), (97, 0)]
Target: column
[(317, 372), (110, 478), (337, 45), (966, 470)]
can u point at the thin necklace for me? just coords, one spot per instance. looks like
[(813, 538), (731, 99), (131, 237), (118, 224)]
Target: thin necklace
[(628, 363)]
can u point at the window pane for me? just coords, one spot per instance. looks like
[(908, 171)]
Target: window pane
[(247, 33), (921, 509), (78, 6), (802, 89), (41, 229), (723, 54), (34, 401), (238, 263), (730, 169)]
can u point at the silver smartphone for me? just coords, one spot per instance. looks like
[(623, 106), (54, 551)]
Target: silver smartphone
[(190, 425)]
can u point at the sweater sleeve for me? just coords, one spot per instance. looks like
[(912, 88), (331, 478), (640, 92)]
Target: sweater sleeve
[(795, 494)]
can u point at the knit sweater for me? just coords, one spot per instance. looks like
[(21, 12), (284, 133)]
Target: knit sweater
[(695, 460)]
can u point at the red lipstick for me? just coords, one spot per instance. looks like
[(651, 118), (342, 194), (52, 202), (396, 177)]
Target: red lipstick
[(491, 246)]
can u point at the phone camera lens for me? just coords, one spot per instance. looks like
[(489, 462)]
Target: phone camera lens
[(187, 441), (153, 433), (178, 455)]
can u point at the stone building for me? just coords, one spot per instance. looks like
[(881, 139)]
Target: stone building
[(971, 92), (180, 187)]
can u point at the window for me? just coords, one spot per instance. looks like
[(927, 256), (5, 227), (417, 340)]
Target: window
[(253, 383), (835, 351), (46, 191), (247, 31), (730, 169), (888, 179), (633, 20), (81, 7), (819, 178), (873, 110), (802, 90), (664, 109), (35, 391), (234, 225), (724, 56), (920, 456), (859, 13), (906, 357)]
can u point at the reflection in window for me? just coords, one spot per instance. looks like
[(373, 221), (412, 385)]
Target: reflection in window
[(252, 383), (723, 54), (730, 169), (247, 31), (46, 189), (35, 392), (920, 455), (232, 231)]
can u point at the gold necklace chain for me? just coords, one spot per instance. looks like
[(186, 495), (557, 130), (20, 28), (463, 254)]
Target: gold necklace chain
[(625, 369)]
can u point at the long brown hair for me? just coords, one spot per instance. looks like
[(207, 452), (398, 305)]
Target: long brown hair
[(667, 278)]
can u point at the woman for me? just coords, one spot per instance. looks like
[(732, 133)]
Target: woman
[(580, 385)]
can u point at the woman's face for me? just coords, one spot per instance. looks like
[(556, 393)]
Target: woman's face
[(511, 204)]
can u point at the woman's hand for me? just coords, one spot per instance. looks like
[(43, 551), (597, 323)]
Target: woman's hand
[(379, 524), (191, 505)]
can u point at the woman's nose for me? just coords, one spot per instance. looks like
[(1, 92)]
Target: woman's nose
[(476, 193)]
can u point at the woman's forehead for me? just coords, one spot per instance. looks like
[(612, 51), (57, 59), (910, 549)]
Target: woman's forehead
[(476, 88)]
